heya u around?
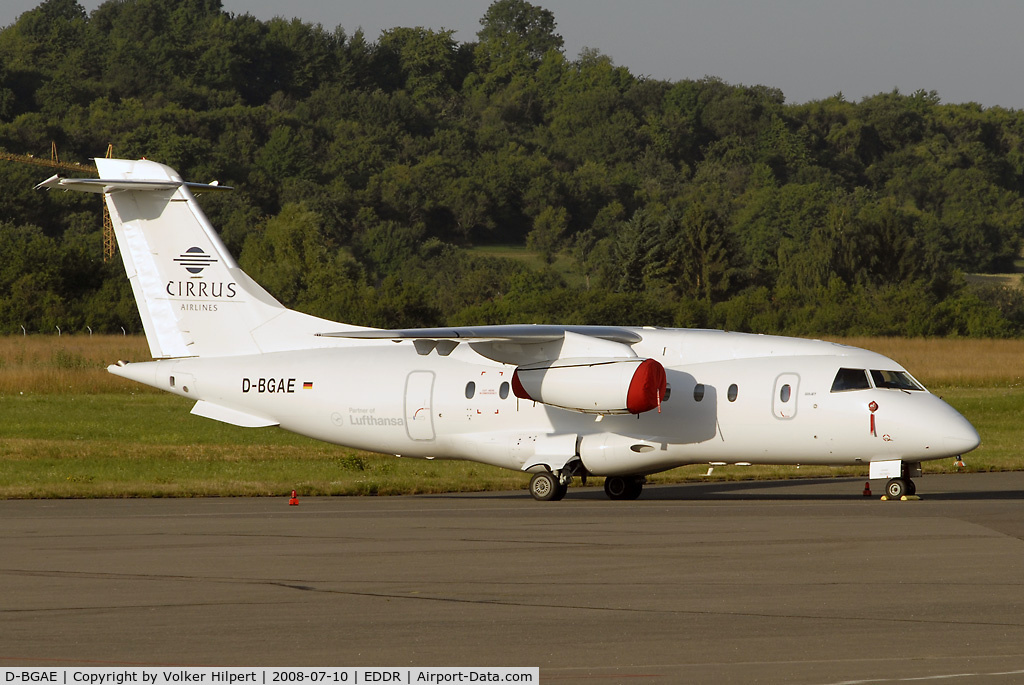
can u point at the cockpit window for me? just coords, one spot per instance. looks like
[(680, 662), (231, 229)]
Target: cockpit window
[(894, 380), (850, 379)]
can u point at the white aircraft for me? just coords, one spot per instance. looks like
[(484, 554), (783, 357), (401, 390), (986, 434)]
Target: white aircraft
[(556, 401)]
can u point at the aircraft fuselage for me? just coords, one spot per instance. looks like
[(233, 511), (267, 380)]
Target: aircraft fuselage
[(734, 398)]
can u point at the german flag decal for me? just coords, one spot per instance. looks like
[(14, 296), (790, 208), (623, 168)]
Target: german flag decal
[(307, 385)]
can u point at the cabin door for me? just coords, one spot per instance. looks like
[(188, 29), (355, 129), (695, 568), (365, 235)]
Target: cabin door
[(419, 415), (784, 398)]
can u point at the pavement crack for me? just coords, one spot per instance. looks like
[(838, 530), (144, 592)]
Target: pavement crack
[(634, 610)]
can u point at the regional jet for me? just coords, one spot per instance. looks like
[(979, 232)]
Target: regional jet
[(559, 402)]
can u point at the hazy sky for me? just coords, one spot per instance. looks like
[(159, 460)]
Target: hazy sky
[(810, 49)]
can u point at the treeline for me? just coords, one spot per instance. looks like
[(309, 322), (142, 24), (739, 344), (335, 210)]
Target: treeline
[(409, 179)]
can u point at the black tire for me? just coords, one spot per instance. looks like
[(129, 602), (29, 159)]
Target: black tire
[(544, 487), (561, 488), (911, 488), (896, 488), (615, 487), (623, 487)]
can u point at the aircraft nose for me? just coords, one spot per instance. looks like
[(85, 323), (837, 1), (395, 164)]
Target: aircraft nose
[(946, 430), (962, 438)]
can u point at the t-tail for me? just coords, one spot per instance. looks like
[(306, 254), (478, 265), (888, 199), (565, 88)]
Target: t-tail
[(193, 298)]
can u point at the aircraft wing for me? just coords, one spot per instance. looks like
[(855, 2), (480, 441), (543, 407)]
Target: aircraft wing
[(522, 333), (512, 344)]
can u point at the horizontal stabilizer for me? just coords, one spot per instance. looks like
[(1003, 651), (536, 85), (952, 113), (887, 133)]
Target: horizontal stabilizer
[(216, 412), (100, 185)]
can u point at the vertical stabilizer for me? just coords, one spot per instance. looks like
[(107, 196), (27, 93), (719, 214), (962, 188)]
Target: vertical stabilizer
[(193, 298)]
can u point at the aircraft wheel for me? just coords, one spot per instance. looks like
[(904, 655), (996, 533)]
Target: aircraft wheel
[(636, 486), (560, 490), (544, 487), (619, 487), (896, 488), (911, 488)]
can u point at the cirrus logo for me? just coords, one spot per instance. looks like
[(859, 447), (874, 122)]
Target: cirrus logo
[(195, 259)]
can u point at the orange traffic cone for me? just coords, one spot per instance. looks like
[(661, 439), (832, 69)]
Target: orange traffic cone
[(867, 488), (294, 501)]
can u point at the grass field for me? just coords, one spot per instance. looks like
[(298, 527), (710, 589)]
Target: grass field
[(70, 429)]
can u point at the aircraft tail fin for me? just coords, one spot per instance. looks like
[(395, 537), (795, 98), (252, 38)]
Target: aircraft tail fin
[(193, 298)]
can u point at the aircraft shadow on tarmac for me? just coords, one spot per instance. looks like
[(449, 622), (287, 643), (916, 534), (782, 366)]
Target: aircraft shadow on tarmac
[(718, 490), (738, 490), (976, 495), (794, 490)]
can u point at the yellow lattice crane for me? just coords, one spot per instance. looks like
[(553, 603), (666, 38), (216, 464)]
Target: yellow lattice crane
[(109, 244)]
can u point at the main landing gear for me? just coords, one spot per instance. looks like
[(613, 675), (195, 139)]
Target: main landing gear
[(623, 487), (546, 486)]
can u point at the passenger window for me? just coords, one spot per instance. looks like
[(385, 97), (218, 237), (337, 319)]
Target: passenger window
[(894, 380), (503, 390), (785, 392), (733, 392), (850, 379), (470, 390), (698, 392)]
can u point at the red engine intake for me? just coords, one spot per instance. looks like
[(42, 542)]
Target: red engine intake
[(647, 387)]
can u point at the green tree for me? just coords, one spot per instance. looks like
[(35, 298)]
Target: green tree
[(701, 255), (516, 26), (548, 230), (423, 62), (637, 255), (289, 256), (30, 280)]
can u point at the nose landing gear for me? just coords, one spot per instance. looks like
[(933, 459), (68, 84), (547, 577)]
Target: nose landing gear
[(899, 474)]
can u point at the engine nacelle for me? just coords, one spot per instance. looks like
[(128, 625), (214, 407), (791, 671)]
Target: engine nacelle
[(599, 386)]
